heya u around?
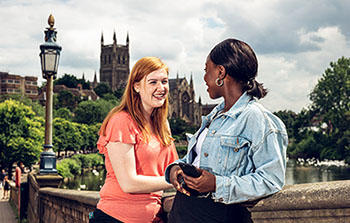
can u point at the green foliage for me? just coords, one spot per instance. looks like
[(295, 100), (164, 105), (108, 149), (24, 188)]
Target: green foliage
[(66, 135), (91, 112), (68, 80), (102, 89), (64, 113), (323, 131), (36, 107), (70, 167), (119, 93), (21, 134), (111, 98), (181, 151), (89, 160), (67, 99), (179, 128), (330, 97)]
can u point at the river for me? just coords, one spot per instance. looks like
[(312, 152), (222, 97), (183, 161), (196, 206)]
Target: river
[(295, 174)]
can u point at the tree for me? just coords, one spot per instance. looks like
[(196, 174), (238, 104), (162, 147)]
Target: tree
[(179, 128), (102, 89), (119, 93), (330, 97), (67, 99), (331, 105), (91, 112), (66, 136), (21, 134), (68, 80), (64, 113), (36, 107)]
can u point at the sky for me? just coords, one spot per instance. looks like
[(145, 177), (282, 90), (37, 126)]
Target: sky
[(295, 40)]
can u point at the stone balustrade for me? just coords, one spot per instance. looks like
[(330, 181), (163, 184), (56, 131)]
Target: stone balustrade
[(326, 202)]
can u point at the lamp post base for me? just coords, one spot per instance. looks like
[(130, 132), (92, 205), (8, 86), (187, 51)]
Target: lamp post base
[(48, 163)]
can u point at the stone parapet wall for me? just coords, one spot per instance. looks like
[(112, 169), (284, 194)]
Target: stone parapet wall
[(62, 205), (326, 202), (33, 203)]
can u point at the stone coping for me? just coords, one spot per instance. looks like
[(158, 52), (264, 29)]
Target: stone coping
[(85, 197), (323, 195)]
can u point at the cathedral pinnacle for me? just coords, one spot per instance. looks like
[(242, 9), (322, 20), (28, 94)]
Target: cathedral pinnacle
[(114, 38), (191, 81), (101, 38), (127, 39)]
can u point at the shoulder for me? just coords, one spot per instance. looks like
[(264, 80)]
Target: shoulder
[(257, 113), (121, 118)]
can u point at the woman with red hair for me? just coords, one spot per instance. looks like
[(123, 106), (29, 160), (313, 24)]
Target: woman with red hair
[(136, 141)]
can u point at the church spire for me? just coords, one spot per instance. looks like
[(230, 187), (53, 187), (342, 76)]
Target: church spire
[(102, 39), (191, 81), (114, 38), (83, 76), (94, 84), (127, 39)]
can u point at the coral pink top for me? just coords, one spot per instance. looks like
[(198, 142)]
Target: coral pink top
[(151, 160)]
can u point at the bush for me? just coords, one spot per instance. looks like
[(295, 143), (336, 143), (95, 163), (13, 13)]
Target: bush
[(181, 150), (89, 160), (70, 167), (73, 165), (63, 170), (85, 161)]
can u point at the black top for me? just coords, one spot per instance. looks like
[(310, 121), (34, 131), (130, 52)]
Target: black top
[(194, 209)]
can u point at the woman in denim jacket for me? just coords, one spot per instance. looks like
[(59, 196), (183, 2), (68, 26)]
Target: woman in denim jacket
[(240, 148)]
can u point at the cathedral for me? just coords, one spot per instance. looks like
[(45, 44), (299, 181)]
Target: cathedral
[(114, 70), (114, 63)]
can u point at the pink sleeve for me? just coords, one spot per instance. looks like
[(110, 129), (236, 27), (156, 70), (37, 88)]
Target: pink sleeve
[(120, 128)]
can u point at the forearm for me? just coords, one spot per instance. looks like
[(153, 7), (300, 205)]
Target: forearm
[(145, 184)]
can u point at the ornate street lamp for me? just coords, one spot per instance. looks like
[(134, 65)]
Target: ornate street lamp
[(49, 56)]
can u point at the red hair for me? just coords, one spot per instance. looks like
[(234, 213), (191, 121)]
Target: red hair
[(131, 102)]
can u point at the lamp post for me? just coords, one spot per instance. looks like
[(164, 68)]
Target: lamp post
[(49, 56)]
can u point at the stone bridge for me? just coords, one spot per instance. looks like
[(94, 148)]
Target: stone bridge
[(327, 202)]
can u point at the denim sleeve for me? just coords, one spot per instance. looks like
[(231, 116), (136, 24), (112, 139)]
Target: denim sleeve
[(269, 158), (168, 168)]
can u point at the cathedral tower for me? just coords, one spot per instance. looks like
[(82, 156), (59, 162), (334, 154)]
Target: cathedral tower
[(114, 63)]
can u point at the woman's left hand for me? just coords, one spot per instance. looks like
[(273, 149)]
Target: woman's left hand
[(203, 184)]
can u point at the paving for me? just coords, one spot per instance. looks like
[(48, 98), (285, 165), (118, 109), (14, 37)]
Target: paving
[(6, 212)]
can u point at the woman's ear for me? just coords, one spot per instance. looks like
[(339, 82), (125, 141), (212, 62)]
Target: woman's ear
[(222, 72), (137, 87)]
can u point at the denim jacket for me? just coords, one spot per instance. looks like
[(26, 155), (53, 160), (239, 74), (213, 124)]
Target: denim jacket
[(245, 149)]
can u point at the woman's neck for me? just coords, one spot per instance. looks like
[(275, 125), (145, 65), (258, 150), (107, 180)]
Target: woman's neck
[(230, 100)]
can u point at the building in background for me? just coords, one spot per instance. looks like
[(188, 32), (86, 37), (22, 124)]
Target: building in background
[(114, 63), (16, 84), (114, 70), (182, 102)]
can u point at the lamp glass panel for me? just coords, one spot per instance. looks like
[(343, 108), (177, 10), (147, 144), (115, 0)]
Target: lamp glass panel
[(50, 60), (42, 58), (57, 60)]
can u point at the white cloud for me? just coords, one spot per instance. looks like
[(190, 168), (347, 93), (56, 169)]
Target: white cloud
[(294, 40)]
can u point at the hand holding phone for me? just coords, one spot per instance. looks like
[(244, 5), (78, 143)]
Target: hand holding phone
[(190, 170)]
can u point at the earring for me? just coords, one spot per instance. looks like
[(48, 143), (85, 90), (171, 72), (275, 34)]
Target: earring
[(219, 82)]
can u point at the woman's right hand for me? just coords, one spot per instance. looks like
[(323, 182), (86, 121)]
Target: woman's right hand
[(176, 173)]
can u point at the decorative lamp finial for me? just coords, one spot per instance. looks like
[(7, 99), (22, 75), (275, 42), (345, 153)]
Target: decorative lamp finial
[(51, 21)]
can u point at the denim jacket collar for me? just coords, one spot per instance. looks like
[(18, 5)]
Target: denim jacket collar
[(235, 110)]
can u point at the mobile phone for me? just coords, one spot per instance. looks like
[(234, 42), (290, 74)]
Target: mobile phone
[(190, 170)]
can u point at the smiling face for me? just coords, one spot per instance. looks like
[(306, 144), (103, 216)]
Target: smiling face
[(153, 90), (211, 74)]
